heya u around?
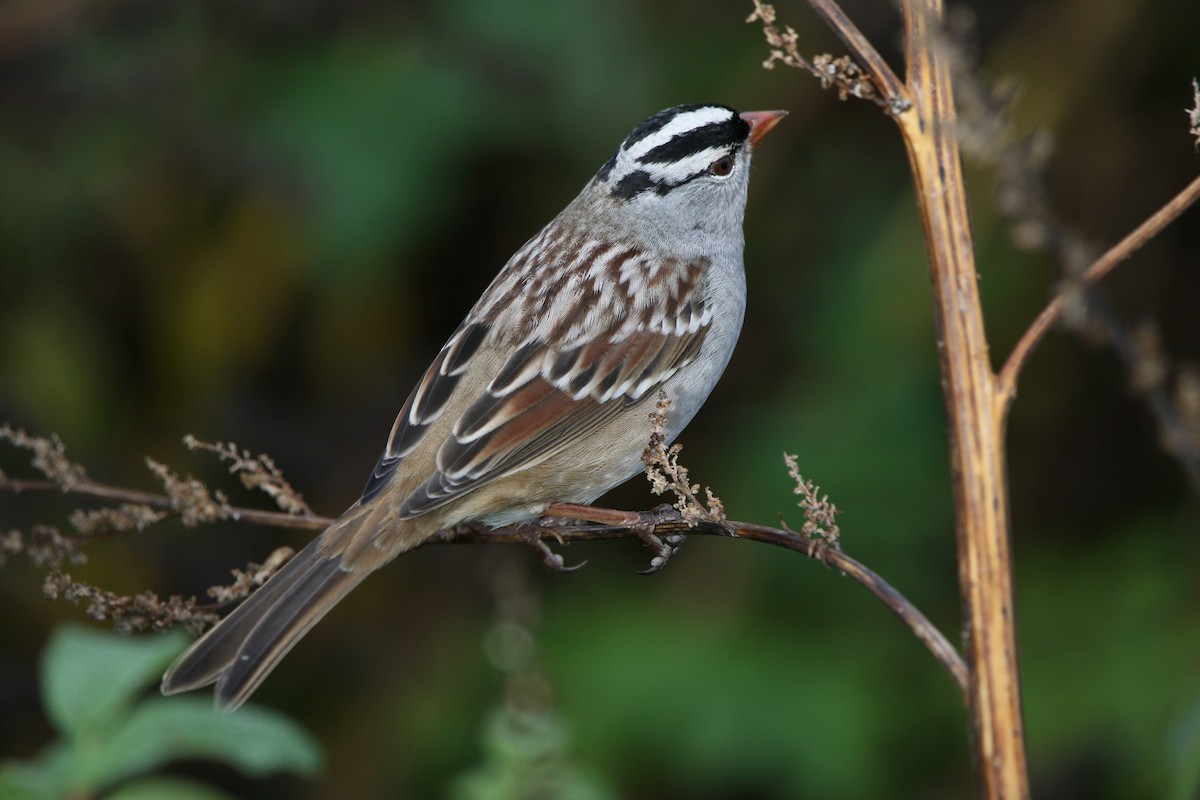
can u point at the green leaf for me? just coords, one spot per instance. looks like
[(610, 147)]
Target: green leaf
[(254, 740), (161, 788), (24, 782), (1183, 774), (43, 776), (90, 678)]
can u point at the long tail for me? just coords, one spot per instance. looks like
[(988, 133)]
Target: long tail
[(242, 649)]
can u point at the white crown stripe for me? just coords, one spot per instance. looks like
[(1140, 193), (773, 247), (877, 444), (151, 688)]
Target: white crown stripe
[(687, 121), (678, 171)]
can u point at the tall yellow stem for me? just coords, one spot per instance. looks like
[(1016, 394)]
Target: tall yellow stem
[(975, 410)]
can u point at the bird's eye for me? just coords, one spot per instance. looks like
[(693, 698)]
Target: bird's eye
[(721, 167)]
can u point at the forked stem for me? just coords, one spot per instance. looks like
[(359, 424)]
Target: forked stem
[(976, 430)]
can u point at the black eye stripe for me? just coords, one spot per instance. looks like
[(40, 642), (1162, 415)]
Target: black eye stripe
[(640, 181), (715, 131), (635, 183), (714, 135)]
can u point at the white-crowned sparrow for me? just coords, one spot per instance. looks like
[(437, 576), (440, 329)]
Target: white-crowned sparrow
[(542, 394)]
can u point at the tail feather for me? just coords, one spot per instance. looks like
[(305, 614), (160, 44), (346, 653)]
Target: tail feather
[(241, 650), (209, 656), (278, 632)]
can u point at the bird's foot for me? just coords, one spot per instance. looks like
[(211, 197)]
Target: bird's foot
[(533, 533), (663, 546), (641, 523)]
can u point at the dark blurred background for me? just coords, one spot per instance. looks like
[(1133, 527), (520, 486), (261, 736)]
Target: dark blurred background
[(257, 221)]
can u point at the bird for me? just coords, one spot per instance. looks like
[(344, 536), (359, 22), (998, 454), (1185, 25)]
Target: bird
[(540, 399)]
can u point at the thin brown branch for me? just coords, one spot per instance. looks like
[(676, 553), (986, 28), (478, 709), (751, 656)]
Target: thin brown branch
[(1006, 384), (161, 502), (895, 94), (876, 83), (815, 548), (1023, 199), (945, 653)]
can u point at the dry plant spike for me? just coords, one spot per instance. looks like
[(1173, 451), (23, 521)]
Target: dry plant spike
[(44, 545), (1187, 399), (191, 498), (1194, 114), (783, 43), (247, 580), (188, 498), (986, 134), (1151, 374), (143, 612), (1150, 364), (49, 457), (256, 473), (846, 76), (125, 517), (820, 515), (11, 543), (1023, 198), (666, 474), (841, 73)]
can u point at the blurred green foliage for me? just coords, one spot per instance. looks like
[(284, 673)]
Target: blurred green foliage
[(258, 220), (111, 737), (523, 758)]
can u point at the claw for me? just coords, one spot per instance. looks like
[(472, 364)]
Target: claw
[(642, 523), (664, 547), (550, 558)]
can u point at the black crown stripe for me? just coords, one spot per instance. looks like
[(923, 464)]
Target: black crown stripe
[(716, 134), (659, 121)]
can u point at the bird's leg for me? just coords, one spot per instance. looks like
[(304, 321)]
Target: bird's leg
[(641, 523)]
